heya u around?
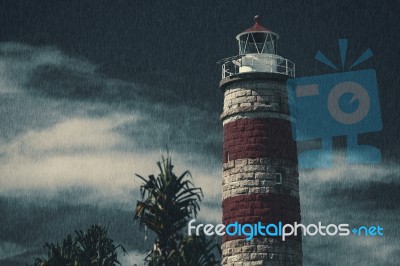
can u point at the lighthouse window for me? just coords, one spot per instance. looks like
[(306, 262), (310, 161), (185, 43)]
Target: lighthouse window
[(278, 178), (227, 156)]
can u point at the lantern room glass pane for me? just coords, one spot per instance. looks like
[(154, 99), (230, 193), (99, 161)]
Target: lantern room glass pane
[(257, 42), (270, 47)]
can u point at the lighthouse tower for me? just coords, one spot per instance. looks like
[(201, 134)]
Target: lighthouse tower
[(260, 176)]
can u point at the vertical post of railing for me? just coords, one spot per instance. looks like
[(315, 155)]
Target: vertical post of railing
[(286, 66)]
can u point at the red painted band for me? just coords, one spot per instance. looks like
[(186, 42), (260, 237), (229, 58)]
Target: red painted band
[(259, 137), (264, 208)]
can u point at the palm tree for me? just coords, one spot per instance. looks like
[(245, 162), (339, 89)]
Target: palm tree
[(168, 203), (197, 250), (64, 255), (96, 248), (91, 248)]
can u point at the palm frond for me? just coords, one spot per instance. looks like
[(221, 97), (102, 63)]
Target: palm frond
[(168, 202)]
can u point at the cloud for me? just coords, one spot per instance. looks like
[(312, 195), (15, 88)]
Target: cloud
[(18, 63), (9, 249), (65, 126), (134, 257), (72, 135), (357, 195), (20, 110), (53, 86), (88, 153), (49, 72), (75, 152)]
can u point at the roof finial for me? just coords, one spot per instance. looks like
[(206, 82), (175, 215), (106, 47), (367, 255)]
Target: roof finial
[(257, 19)]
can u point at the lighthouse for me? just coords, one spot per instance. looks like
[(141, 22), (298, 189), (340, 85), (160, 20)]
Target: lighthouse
[(260, 180)]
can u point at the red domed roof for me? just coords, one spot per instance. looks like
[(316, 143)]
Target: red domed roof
[(257, 27)]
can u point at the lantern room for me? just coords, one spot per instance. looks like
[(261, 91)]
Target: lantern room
[(257, 39), (257, 53)]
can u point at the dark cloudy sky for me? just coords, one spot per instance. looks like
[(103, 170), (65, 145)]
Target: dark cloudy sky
[(92, 92)]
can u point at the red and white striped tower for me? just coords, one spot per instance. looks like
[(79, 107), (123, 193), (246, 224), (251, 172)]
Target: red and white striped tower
[(260, 176)]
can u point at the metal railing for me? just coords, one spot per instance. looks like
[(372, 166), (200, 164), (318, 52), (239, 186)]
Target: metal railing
[(231, 65)]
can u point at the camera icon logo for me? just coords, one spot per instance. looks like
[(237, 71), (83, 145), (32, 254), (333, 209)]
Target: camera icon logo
[(339, 104), (359, 93)]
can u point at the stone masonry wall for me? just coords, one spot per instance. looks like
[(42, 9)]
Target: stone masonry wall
[(260, 180)]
